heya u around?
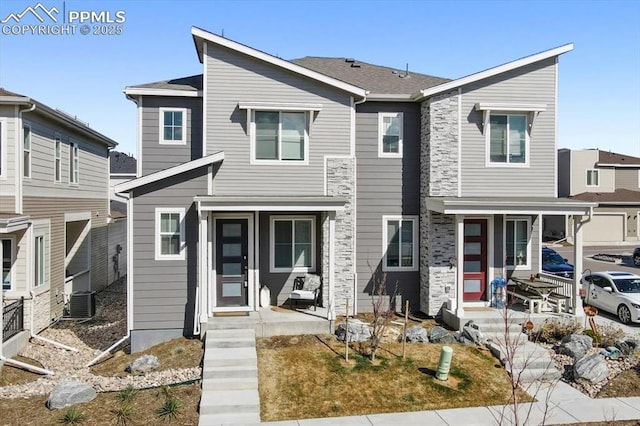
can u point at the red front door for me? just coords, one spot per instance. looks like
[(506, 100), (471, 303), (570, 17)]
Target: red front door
[(475, 260)]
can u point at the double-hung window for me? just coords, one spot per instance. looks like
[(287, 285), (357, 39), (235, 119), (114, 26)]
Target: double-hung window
[(6, 244), (280, 136), (400, 243), (74, 162), (390, 134), (170, 240), (26, 150), (518, 249), (292, 244), (39, 258), (173, 126), (593, 177), (57, 162), (508, 140)]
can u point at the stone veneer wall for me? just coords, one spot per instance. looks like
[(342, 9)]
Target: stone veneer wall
[(340, 184), (438, 178)]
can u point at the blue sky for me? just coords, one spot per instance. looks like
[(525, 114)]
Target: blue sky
[(599, 83)]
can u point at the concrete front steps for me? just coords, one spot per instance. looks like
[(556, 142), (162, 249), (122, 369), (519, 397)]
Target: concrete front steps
[(230, 378)]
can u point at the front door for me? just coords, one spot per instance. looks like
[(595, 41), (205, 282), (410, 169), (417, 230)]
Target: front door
[(232, 267), (475, 260)]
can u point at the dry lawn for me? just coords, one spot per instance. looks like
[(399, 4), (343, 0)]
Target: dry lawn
[(625, 384), (307, 377)]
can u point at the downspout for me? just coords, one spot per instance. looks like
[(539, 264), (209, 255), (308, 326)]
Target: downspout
[(355, 247), (129, 284)]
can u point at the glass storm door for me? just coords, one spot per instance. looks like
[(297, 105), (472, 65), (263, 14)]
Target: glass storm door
[(475, 260), (231, 262)]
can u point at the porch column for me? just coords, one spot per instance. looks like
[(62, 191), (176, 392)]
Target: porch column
[(331, 311), (256, 259), (203, 282), (459, 284), (577, 266)]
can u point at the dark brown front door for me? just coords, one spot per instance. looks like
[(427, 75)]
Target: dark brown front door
[(475, 259), (231, 262)]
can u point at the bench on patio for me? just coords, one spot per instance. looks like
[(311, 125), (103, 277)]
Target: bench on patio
[(559, 300), (534, 300)]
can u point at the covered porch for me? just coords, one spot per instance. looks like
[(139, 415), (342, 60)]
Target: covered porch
[(490, 238)]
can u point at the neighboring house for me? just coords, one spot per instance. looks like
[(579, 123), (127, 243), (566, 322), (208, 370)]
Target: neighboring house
[(613, 182), (261, 170), (54, 204)]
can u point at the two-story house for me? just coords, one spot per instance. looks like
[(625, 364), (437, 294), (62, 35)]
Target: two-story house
[(609, 179), (54, 204), (261, 169)]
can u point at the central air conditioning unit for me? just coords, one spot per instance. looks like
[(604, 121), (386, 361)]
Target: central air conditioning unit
[(82, 304)]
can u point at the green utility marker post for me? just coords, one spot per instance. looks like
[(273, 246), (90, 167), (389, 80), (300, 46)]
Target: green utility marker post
[(444, 363)]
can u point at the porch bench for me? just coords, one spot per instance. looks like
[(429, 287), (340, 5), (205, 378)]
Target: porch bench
[(559, 300), (533, 299)]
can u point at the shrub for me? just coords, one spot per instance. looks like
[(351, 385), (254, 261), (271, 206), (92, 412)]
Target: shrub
[(170, 409), (123, 414), (609, 335), (127, 394), (72, 416), (554, 330)]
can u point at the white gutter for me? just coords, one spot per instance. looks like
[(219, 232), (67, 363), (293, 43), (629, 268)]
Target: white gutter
[(44, 339)]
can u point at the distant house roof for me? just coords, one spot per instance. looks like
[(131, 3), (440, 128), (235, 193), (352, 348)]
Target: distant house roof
[(188, 86), (117, 209), (374, 78), (611, 158), (619, 196), (121, 163)]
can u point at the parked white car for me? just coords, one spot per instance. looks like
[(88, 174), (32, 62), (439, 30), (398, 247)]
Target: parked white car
[(614, 292)]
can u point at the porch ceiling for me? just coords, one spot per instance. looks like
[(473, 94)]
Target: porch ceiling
[(10, 222), (509, 205), (269, 203)]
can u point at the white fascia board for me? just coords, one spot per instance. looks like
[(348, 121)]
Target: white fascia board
[(198, 33), (390, 97), (493, 71), (172, 171), (630, 166), (153, 91), (279, 106), (511, 106)]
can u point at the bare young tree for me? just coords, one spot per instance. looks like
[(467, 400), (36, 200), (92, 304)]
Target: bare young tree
[(382, 310)]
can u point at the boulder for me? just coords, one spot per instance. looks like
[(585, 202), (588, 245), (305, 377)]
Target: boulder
[(590, 369), (629, 346), (472, 324), (441, 335), (576, 345), (69, 393), (471, 334), (358, 331), (416, 334), (144, 364)]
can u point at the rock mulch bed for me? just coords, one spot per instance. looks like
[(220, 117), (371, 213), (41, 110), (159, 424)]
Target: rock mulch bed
[(90, 338)]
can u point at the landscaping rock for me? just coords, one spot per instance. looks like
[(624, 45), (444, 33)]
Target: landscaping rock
[(472, 324), (576, 345), (629, 346), (441, 335), (70, 393), (590, 369), (358, 331), (416, 334), (472, 334), (144, 364)]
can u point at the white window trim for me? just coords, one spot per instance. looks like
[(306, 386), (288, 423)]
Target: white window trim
[(46, 234), (308, 114), (381, 116), (57, 159), (159, 255), (526, 266), (272, 221), (3, 148), (385, 220), (74, 154), (30, 150), (12, 271), (164, 141), (586, 178), (487, 138)]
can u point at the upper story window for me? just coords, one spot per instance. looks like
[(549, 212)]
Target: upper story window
[(173, 126), (508, 139), (390, 125), (593, 177), (26, 150), (279, 136), (400, 243), (74, 162), (57, 162), (518, 249), (170, 233), (292, 244)]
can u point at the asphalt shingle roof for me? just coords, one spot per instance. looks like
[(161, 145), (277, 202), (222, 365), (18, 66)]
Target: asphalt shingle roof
[(192, 82), (618, 196), (119, 162), (607, 157)]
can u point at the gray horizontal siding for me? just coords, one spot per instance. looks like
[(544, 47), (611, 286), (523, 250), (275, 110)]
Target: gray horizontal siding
[(531, 84), (232, 78), (628, 179), (8, 120), (164, 291), (159, 157), (385, 186)]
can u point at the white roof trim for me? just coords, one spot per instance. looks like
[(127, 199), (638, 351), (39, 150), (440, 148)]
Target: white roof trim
[(230, 44), (390, 97), (493, 71), (631, 166), (504, 106), (279, 106), (172, 171), (260, 203), (499, 206), (154, 91)]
